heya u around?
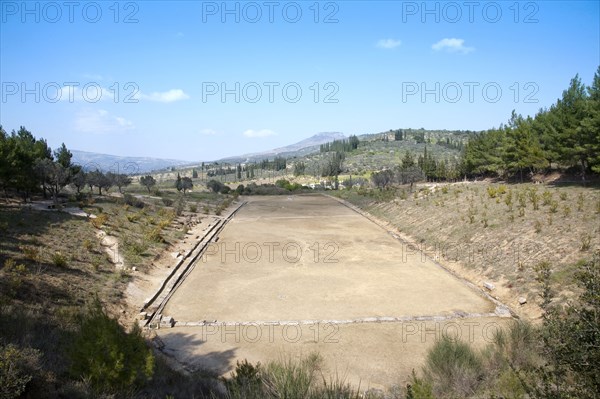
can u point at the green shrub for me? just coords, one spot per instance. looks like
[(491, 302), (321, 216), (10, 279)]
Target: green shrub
[(135, 247), (59, 260), (133, 201), (133, 217), (518, 345), (214, 185), (580, 202), (13, 275), (290, 379), (534, 198), (454, 368), (193, 208), (571, 338), (17, 366), (245, 381), (99, 221), (546, 198), (154, 234), (522, 199), (508, 200), (106, 355), (538, 226), (88, 245), (167, 201), (164, 223), (586, 242), (418, 388), (563, 196)]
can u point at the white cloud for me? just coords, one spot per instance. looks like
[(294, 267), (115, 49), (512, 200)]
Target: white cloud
[(452, 46), (93, 93), (259, 133), (101, 121), (388, 43), (165, 96), (208, 132)]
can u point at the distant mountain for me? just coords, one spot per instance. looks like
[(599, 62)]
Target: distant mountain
[(137, 165), (300, 148), (118, 164)]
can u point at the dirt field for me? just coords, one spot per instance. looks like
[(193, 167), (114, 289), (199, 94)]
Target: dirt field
[(292, 275)]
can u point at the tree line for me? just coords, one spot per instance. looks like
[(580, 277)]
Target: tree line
[(566, 135), (29, 166)]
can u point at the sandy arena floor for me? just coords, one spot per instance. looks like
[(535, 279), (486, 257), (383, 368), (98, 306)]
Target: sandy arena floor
[(293, 275)]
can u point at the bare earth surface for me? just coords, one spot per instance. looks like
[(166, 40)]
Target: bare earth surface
[(293, 275)]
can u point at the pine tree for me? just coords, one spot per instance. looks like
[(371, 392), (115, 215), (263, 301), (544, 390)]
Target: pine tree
[(571, 110), (589, 130)]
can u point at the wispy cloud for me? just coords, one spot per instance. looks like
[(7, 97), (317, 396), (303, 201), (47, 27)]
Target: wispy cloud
[(208, 132), (452, 45), (93, 93), (259, 133), (101, 121), (165, 96), (388, 43)]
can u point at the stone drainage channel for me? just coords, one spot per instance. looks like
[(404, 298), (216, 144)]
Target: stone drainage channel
[(151, 313)]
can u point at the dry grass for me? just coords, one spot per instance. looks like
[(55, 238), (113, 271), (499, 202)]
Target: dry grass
[(497, 232), (53, 263)]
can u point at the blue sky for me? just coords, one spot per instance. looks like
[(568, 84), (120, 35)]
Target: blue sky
[(199, 80)]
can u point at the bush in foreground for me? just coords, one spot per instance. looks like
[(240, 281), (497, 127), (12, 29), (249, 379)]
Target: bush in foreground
[(107, 356), (287, 378), (17, 366)]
